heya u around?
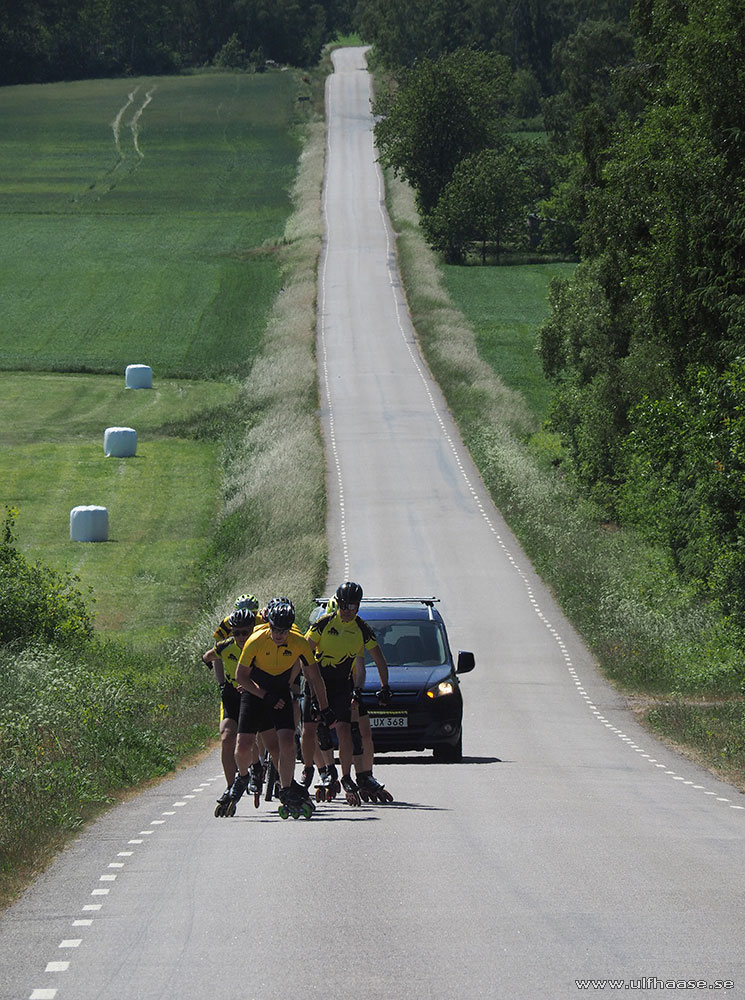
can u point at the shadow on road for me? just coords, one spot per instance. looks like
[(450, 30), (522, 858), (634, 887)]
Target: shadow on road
[(422, 761)]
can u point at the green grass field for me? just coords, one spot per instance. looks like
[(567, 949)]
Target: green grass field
[(140, 221), (506, 305), (162, 503), (138, 218)]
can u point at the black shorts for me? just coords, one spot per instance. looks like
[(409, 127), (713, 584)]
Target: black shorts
[(309, 705), (339, 691), (231, 702), (256, 714)]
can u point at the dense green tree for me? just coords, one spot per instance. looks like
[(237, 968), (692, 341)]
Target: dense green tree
[(67, 39), (405, 31), (444, 111), (38, 602), (484, 203), (664, 243)]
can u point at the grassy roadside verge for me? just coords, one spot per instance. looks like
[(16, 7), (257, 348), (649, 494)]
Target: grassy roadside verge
[(674, 659), (78, 727)]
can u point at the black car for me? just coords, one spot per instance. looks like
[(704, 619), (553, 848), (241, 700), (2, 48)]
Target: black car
[(426, 711)]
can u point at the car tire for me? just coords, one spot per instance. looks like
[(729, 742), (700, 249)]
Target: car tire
[(449, 753)]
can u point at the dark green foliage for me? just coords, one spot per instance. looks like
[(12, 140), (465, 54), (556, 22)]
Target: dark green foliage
[(685, 478), (406, 31), (75, 39), (444, 110), (646, 343), (38, 604), (75, 728), (232, 55), (485, 202)]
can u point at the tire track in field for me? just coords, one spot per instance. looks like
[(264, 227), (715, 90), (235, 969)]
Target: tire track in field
[(134, 124), (117, 123), (124, 159)]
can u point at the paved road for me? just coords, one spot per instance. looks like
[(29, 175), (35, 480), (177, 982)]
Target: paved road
[(567, 846)]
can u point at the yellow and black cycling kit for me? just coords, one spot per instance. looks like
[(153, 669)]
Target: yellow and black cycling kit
[(269, 661), (339, 643), (229, 652)]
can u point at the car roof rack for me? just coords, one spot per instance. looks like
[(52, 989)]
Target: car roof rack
[(429, 602), (388, 600)]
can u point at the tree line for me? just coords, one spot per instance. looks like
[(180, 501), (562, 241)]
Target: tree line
[(641, 177), (46, 40)]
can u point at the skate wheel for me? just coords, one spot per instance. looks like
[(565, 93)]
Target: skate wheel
[(284, 812), (230, 811), (308, 810), (257, 799), (366, 796), (320, 795), (218, 811)]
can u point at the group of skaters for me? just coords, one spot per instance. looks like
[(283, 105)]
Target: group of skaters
[(275, 680)]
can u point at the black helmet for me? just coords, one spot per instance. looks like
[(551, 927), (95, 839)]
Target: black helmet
[(280, 614), (348, 595), (241, 618), (247, 601)]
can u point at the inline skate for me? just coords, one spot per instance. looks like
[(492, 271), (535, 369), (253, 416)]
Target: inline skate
[(295, 802), (256, 782), (329, 786), (221, 809), (236, 792), (370, 788), (350, 790)]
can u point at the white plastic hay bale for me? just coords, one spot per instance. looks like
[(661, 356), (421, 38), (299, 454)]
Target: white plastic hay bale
[(89, 524), (138, 377), (120, 442)]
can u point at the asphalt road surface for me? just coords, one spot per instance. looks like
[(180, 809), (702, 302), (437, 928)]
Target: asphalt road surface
[(568, 847)]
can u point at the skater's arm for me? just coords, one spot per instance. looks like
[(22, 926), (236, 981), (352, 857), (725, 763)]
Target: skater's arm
[(243, 679), (313, 674), (380, 662), (219, 671), (360, 672), (209, 658)]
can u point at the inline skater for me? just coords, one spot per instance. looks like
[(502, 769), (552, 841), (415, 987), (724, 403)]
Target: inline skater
[(271, 660), (244, 601), (223, 658), (339, 640)]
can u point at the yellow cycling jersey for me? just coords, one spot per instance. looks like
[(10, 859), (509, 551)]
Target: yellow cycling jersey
[(223, 630), (339, 643), (229, 652), (262, 652)]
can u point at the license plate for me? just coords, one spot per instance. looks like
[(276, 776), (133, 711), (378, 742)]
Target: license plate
[(389, 721)]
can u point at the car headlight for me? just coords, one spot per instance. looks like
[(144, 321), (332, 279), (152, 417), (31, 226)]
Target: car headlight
[(443, 688)]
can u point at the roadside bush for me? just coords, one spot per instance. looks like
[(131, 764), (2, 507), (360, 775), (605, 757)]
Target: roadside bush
[(38, 602), (74, 728)]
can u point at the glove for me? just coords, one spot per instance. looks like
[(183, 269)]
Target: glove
[(327, 716), (384, 696), (357, 695)]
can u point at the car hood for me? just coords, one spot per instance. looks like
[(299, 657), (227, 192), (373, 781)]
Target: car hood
[(406, 678)]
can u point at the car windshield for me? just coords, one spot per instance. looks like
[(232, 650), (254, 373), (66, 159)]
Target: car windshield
[(410, 643)]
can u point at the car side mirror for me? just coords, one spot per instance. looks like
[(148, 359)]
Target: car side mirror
[(466, 662)]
